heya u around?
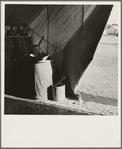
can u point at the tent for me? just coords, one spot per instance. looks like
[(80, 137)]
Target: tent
[(71, 35), (113, 30)]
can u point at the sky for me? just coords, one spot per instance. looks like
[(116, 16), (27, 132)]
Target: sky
[(114, 16)]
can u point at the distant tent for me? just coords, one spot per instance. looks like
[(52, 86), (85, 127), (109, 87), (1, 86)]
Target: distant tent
[(113, 30), (71, 34)]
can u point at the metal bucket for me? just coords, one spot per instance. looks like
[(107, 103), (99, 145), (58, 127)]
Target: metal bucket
[(58, 93)]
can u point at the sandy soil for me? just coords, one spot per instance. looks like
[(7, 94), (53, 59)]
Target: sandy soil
[(99, 86)]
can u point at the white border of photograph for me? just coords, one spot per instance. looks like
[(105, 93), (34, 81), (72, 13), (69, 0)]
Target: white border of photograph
[(59, 131)]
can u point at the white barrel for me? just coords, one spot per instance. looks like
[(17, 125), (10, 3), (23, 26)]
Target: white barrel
[(43, 79)]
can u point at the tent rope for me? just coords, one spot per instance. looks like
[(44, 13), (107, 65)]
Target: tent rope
[(82, 23), (82, 16), (82, 20)]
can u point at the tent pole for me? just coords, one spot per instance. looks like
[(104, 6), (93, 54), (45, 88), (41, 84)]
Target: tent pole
[(47, 28), (82, 21)]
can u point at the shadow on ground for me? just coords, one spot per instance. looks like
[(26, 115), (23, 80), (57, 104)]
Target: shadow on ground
[(99, 99), (13, 106)]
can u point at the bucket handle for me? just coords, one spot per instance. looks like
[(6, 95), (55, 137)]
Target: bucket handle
[(60, 81)]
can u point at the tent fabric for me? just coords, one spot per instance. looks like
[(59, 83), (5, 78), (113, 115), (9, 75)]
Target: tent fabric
[(71, 42), (64, 20), (21, 14)]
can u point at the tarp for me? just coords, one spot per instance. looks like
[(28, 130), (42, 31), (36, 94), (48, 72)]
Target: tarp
[(71, 34)]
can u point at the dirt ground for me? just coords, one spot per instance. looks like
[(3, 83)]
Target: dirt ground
[(99, 86)]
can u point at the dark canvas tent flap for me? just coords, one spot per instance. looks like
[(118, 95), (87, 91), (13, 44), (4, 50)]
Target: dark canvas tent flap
[(80, 49)]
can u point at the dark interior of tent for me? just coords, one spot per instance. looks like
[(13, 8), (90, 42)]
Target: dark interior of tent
[(48, 48)]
